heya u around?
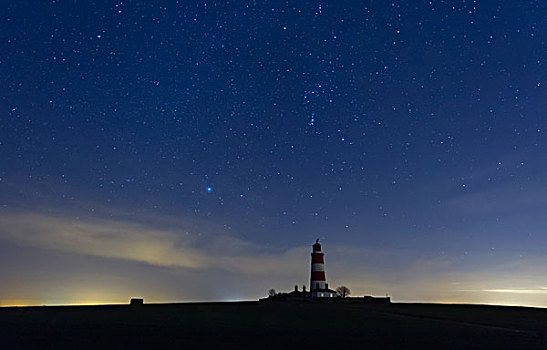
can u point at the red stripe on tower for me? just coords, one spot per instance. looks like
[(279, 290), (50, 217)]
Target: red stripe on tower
[(317, 280), (318, 276), (317, 259)]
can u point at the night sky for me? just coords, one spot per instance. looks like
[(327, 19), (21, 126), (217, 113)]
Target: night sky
[(183, 151)]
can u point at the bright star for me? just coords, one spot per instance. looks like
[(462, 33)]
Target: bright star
[(209, 189)]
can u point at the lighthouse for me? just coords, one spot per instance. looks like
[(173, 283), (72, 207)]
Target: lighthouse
[(318, 283)]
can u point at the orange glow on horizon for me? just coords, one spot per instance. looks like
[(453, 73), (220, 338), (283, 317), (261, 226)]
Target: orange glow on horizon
[(445, 302), (28, 303)]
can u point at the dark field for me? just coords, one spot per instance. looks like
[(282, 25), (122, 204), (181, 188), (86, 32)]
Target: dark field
[(274, 325)]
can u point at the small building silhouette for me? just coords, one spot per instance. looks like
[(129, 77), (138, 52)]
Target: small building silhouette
[(136, 302)]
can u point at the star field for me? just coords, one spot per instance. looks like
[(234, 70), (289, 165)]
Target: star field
[(410, 126)]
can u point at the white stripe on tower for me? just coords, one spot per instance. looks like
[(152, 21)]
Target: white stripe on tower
[(318, 267)]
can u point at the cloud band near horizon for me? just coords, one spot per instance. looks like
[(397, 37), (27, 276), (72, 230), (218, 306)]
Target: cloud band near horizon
[(252, 268)]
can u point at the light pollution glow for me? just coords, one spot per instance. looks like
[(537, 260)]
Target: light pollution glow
[(101, 261)]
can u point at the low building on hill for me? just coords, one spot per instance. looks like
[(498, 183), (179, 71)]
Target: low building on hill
[(324, 292), (319, 288), (136, 302), (376, 300), (294, 295)]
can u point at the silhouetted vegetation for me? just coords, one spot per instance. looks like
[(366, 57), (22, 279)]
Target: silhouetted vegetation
[(343, 291)]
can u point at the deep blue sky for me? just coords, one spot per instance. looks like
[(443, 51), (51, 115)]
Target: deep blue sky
[(411, 130)]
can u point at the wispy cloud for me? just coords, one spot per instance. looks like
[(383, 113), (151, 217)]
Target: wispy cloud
[(104, 238), (132, 241), (246, 269), (498, 200), (541, 290)]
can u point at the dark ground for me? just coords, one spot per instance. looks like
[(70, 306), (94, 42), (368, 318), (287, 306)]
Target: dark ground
[(274, 325)]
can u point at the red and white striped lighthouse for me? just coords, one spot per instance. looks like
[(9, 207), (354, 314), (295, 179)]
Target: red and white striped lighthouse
[(317, 281)]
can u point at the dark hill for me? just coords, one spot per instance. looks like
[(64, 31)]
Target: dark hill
[(274, 325)]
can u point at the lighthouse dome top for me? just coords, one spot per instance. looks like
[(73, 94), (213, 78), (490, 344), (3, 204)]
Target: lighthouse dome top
[(316, 246)]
